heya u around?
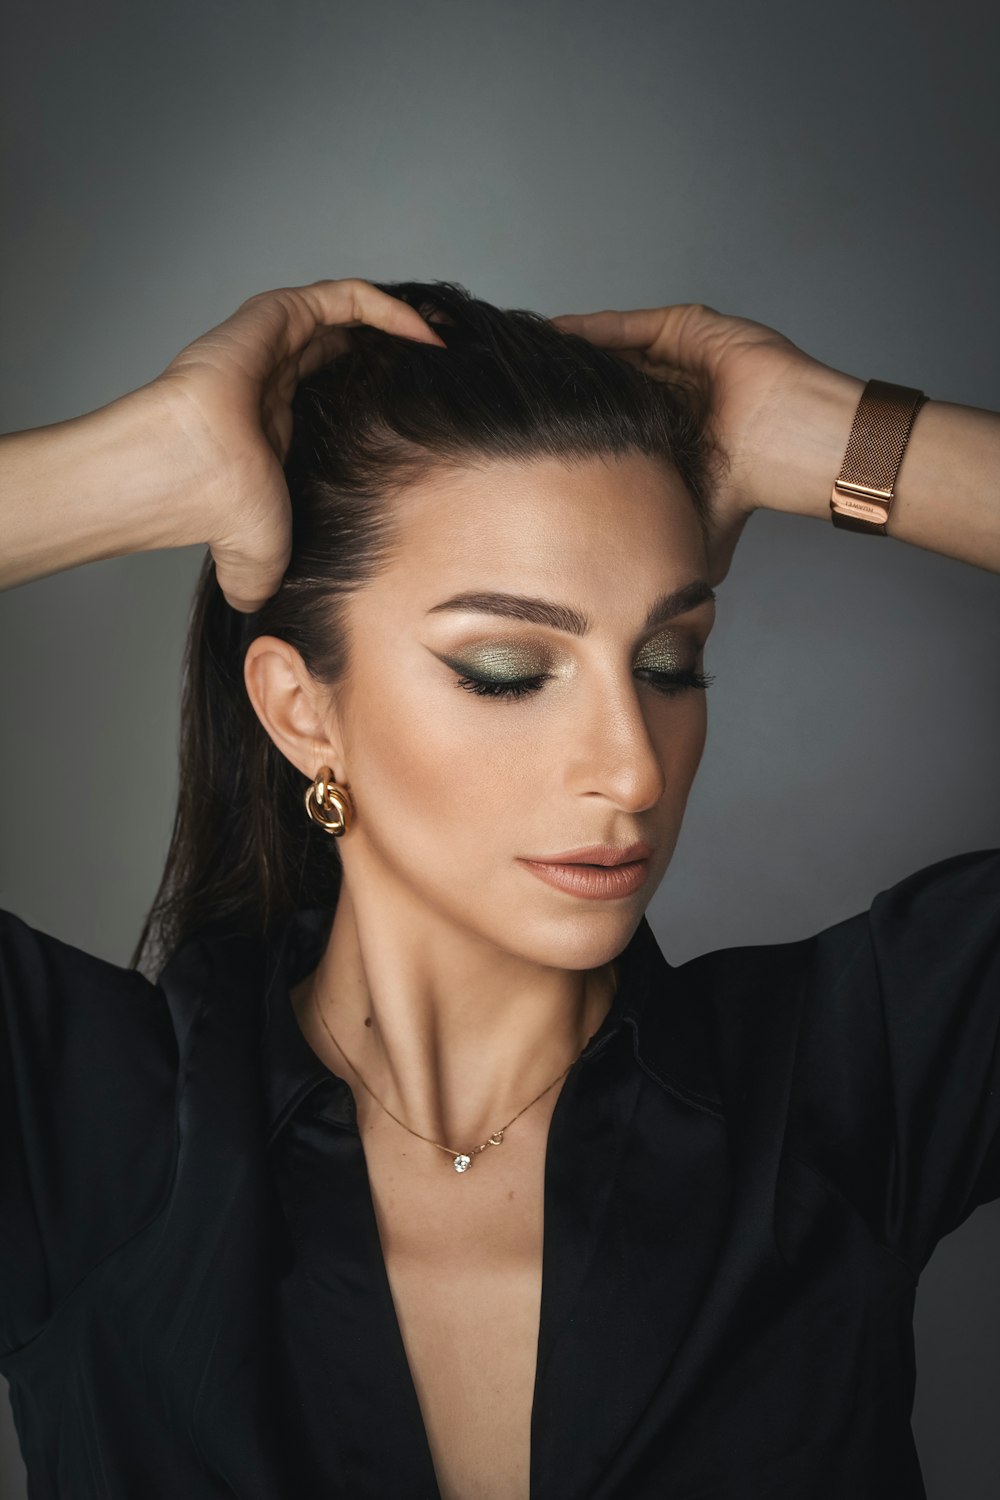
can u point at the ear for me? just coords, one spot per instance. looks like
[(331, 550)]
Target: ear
[(293, 707)]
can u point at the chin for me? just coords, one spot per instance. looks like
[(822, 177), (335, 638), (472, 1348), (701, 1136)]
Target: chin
[(578, 940)]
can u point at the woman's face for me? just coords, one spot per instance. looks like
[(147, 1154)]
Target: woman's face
[(592, 732)]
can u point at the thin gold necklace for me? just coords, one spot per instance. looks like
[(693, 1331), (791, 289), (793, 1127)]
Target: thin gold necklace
[(461, 1160)]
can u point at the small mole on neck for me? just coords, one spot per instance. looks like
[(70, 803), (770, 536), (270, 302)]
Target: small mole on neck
[(368, 1020)]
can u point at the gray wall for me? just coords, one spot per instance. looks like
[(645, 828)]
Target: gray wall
[(829, 170)]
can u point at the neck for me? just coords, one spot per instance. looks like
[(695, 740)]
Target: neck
[(453, 1035)]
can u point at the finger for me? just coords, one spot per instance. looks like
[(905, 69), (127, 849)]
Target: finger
[(613, 329), (321, 349), (326, 344), (606, 335), (346, 304), (672, 335), (370, 305), (275, 326)]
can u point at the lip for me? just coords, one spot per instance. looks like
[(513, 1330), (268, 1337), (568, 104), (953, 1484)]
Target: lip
[(595, 883), (595, 854)]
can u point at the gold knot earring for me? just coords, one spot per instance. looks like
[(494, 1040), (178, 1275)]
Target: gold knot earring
[(328, 804)]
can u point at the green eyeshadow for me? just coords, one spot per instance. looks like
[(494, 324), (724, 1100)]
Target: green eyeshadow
[(502, 663)]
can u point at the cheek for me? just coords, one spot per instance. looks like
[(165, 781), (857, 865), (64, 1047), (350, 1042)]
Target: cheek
[(434, 767), (440, 768)]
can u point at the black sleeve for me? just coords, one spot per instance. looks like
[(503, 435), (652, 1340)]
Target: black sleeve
[(88, 1071), (897, 1088)]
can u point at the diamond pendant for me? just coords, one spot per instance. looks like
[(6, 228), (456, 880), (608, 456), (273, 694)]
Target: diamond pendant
[(462, 1163)]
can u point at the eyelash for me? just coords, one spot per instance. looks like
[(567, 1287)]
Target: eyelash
[(671, 684)]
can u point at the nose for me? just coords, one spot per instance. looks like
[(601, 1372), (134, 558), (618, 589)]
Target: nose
[(614, 753)]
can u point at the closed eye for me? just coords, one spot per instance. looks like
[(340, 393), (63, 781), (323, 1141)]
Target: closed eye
[(667, 683)]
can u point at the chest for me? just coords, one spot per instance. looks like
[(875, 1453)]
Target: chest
[(247, 1331), (463, 1257)]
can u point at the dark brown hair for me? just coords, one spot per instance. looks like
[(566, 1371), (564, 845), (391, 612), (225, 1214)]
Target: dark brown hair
[(509, 385)]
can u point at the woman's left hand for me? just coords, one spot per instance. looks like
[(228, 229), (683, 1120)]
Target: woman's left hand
[(779, 418)]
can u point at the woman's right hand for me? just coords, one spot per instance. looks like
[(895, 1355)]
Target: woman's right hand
[(195, 455), (231, 391)]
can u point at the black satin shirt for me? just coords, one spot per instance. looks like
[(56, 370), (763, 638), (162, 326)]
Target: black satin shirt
[(747, 1169)]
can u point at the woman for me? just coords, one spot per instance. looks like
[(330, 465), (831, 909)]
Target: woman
[(273, 1220)]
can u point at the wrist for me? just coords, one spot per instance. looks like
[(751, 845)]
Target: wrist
[(158, 492), (96, 486), (804, 435)]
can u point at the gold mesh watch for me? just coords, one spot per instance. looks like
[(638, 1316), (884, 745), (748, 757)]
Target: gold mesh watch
[(864, 489)]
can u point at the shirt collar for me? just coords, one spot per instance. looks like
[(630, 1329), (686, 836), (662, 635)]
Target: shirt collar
[(653, 1005)]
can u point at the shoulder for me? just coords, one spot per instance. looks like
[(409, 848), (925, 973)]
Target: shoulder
[(79, 1017), (945, 913), (88, 1078), (870, 1048), (42, 971), (826, 1020), (76, 1021)]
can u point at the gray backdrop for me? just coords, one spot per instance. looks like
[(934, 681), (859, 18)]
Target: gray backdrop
[(831, 171)]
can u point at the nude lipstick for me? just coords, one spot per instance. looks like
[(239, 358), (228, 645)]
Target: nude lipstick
[(599, 872)]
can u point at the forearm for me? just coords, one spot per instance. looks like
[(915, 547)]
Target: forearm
[(948, 487), (100, 485)]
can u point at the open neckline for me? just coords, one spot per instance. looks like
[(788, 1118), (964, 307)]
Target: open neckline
[(293, 1069), (298, 1072)]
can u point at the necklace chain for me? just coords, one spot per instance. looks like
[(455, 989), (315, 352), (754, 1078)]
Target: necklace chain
[(461, 1160)]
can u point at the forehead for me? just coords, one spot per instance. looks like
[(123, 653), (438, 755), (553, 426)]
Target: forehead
[(591, 521)]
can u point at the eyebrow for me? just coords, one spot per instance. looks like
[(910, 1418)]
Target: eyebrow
[(563, 617)]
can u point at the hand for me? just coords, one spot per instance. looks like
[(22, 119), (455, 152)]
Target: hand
[(779, 418), (232, 389)]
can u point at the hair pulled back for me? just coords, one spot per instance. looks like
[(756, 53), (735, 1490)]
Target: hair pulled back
[(510, 385)]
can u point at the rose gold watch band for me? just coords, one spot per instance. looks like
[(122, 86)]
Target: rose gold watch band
[(863, 491)]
